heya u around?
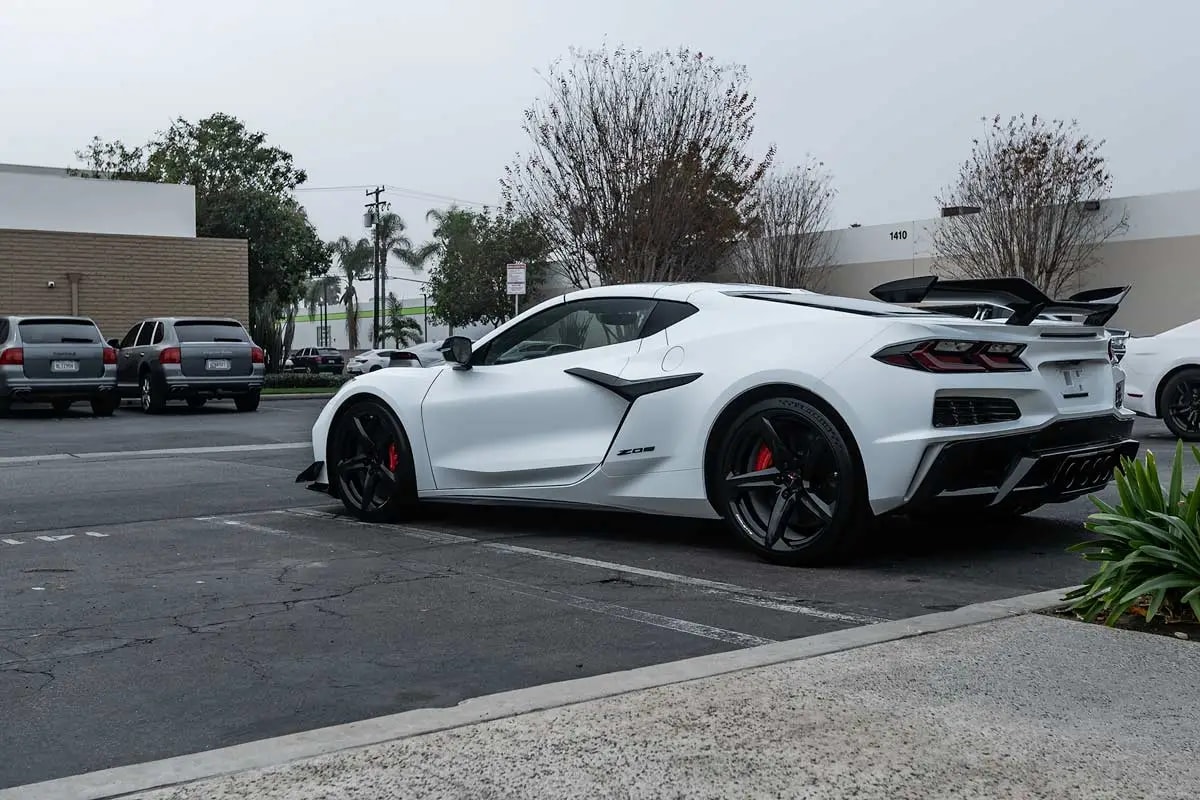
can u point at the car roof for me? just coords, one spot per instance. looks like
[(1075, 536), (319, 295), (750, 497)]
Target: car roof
[(671, 291), (63, 317), (195, 319)]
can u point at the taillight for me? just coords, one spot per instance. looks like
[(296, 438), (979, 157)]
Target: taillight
[(110, 355), (13, 356), (951, 355), (169, 355), (256, 355)]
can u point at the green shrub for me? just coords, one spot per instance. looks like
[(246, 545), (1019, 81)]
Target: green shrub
[(1149, 545), (303, 380)]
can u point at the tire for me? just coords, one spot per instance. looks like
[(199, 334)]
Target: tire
[(60, 406), (314, 370), (817, 500), (105, 405), (196, 402), (153, 395), (366, 439), (1181, 404), (5, 406), (248, 402), (375, 368)]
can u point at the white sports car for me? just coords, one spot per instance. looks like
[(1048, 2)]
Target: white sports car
[(796, 417), (1163, 378)]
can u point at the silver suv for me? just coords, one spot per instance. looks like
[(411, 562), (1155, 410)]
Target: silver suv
[(58, 360), (189, 358)]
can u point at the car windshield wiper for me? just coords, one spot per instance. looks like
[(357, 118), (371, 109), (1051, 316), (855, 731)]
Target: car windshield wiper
[(76, 340), (219, 339)]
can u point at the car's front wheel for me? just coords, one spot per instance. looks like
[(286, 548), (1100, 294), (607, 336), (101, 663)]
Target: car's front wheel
[(154, 395), (370, 462), (1181, 404), (787, 483)]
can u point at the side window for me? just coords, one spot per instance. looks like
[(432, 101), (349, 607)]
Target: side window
[(131, 337), (159, 334), (144, 335), (665, 314), (570, 327)]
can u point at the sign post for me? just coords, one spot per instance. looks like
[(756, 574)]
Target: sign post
[(516, 283)]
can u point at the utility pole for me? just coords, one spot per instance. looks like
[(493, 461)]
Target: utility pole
[(373, 216)]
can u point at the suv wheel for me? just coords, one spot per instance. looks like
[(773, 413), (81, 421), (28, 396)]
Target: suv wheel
[(248, 401), (153, 396), (60, 406), (105, 404)]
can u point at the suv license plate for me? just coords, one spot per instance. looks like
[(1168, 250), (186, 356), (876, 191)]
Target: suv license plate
[(64, 366), (217, 363)]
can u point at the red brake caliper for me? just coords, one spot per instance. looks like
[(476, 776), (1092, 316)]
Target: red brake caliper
[(763, 459), (393, 458)]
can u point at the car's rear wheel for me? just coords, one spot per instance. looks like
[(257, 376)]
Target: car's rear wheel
[(154, 395), (789, 485), (249, 401), (371, 466), (60, 406), (105, 405), (1181, 404), (196, 402)]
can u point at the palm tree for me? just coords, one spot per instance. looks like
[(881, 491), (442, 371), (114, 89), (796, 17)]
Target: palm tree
[(354, 259), (317, 293), (403, 330), (394, 241)]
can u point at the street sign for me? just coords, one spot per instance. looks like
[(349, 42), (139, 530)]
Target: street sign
[(516, 278)]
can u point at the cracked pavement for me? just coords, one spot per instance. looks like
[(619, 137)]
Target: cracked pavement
[(206, 615)]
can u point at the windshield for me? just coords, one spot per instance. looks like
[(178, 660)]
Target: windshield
[(210, 331), (58, 331)]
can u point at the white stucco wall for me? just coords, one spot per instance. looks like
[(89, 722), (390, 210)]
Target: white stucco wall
[(43, 199)]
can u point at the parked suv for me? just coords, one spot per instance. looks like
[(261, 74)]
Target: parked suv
[(58, 360), (189, 358), (318, 359)]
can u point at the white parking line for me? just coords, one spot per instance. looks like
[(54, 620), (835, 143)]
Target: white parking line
[(12, 541), (173, 451), (755, 597)]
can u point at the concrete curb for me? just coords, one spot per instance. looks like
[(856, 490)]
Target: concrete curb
[(122, 781)]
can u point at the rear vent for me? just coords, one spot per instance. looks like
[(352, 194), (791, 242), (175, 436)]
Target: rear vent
[(950, 412)]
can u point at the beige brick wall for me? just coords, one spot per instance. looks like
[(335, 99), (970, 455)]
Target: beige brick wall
[(120, 279)]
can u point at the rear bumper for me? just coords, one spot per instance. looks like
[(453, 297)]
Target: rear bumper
[(1053, 464), (181, 386), (33, 391)]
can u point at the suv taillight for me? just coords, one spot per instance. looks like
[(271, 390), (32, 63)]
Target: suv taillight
[(256, 355), (13, 356), (110, 355), (951, 355), (169, 355)]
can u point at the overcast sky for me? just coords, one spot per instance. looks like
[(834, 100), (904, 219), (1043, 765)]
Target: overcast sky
[(427, 97)]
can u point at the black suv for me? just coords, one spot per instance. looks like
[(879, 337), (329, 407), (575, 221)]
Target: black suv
[(318, 359)]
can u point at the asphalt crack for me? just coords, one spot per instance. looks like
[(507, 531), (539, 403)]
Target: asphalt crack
[(44, 673)]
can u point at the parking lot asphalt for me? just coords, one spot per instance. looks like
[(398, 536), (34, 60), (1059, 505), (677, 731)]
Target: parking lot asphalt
[(160, 603)]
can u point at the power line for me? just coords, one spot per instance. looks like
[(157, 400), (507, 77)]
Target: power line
[(413, 194)]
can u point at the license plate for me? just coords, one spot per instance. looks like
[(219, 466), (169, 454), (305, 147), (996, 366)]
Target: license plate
[(1073, 384), (64, 366), (216, 363)]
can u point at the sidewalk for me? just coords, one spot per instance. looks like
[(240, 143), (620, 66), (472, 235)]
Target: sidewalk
[(1016, 707)]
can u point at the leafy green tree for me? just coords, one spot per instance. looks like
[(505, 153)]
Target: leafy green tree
[(319, 292), (243, 191), (401, 329), (468, 285), (395, 242)]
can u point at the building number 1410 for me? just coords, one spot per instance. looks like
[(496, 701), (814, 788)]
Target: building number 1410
[(899, 235)]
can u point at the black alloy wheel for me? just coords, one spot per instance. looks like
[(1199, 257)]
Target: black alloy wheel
[(789, 484), (1181, 404), (372, 467)]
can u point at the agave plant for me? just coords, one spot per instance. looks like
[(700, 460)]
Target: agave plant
[(1149, 545)]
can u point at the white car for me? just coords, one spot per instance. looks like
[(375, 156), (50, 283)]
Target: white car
[(1163, 378), (372, 360), (649, 399)]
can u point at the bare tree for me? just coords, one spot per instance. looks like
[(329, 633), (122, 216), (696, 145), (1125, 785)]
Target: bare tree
[(638, 166), (788, 242), (1030, 202)]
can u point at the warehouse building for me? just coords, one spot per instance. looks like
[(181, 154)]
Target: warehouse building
[(116, 251)]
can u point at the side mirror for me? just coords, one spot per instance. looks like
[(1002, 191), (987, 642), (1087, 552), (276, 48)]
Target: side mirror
[(457, 350), (114, 344)]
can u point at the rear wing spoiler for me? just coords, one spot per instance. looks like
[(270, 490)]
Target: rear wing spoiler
[(1096, 306)]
